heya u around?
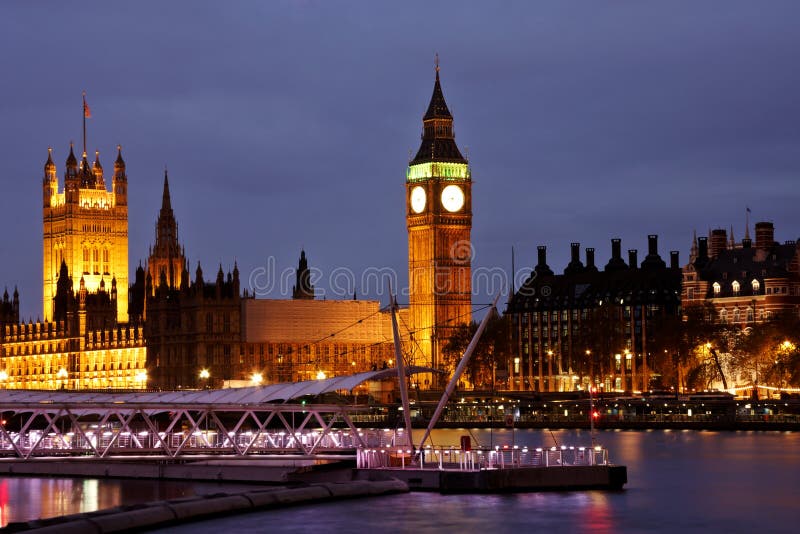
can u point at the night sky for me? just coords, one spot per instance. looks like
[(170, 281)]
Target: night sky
[(289, 124)]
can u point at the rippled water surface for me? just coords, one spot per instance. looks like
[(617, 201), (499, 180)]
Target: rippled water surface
[(678, 481)]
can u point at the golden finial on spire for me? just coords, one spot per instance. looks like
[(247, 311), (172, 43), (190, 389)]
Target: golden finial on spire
[(436, 62)]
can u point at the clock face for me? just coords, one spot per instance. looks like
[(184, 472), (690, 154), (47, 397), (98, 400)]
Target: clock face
[(452, 198), (418, 199)]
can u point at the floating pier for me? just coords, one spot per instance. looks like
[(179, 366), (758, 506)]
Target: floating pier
[(451, 470)]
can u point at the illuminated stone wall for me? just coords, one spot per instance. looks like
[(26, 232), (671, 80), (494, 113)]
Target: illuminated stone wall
[(50, 356), (292, 340), (85, 226)]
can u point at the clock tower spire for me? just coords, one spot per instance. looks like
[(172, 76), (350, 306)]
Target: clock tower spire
[(439, 221)]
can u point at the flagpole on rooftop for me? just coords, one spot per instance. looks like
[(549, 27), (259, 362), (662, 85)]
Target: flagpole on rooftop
[(86, 113)]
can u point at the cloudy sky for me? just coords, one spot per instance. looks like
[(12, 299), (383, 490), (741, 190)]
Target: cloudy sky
[(288, 124)]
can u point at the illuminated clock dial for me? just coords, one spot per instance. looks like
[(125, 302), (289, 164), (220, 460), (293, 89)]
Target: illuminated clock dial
[(452, 198), (418, 199)]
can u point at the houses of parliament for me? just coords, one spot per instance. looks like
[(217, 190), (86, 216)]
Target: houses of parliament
[(176, 326)]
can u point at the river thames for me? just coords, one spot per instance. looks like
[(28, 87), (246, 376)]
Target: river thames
[(687, 481)]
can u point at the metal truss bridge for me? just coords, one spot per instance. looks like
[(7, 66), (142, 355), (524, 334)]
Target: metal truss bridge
[(238, 422)]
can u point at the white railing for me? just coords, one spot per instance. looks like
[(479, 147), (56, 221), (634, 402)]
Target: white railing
[(454, 458)]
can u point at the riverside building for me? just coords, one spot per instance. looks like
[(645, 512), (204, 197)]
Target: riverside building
[(587, 323)]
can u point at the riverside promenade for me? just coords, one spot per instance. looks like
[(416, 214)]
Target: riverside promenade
[(625, 413)]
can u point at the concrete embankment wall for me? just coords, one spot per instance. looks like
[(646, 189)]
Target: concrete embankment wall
[(240, 471), (165, 513)]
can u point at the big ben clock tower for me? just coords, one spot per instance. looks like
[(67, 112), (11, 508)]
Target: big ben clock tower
[(439, 220)]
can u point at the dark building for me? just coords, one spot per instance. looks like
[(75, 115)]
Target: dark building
[(591, 323), (303, 288), (190, 326)]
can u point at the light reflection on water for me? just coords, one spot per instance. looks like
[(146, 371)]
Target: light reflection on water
[(27, 498), (677, 481)]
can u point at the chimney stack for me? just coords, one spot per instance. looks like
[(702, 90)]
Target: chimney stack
[(674, 262), (765, 235), (616, 262), (702, 250), (575, 266), (633, 262), (719, 242), (541, 268), (590, 259)]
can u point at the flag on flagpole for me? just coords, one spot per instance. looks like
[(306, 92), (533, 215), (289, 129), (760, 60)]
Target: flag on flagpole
[(87, 114), (748, 209)]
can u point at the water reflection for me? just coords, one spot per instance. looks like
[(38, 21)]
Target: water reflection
[(28, 498), (677, 482)]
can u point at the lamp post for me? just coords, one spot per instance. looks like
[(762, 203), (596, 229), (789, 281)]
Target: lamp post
[(591, 367), (3, 378), (549, 370), (256, 379), (628, 361)]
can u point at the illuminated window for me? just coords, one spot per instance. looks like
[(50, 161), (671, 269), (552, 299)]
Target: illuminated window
[(735, 286), (717, 288), (736, 315), (756, 286), (95, 261), (723, 316), (106, 262), (85, 260)]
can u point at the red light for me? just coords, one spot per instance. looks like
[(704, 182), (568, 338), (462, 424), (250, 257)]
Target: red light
[(3, 422), (595, 414)]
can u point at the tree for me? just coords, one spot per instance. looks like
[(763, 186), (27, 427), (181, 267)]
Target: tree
[(490, 351)]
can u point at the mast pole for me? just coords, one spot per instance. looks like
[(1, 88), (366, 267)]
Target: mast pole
[(462, 365), (84, 122), (401, 370)]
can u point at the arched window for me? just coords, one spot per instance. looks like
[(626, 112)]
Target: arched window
[(96, 261), (85, 260), (756, 286), (735, 286), (723, 315), (717, 288), (106, 262), (736, 315)]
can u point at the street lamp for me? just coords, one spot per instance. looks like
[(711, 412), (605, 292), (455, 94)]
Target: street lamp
[(320, 375), (141, 378), (3, 377), (256, 378), (205, 374)]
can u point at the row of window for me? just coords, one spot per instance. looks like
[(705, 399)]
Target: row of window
[(736, 288), (96, 261)]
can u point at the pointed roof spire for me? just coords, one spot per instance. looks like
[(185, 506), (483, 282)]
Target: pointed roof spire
[(96, 165), (49, 166), (119, 163), (166, 204), (747, 223), (438, 138), (437, 109), (72, 162)]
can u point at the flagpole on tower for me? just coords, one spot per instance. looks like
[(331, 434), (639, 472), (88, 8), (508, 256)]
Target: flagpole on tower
[(86, 115)]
